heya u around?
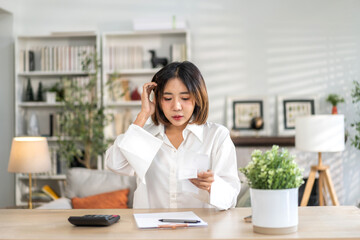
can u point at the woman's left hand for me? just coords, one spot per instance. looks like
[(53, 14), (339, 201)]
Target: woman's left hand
[(204, 180)]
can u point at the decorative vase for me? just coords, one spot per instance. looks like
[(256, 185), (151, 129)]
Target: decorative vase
[(33, 126), (39, 96), (334, 110), (29, 94), (274, 211), (135, 95), (50, 97)]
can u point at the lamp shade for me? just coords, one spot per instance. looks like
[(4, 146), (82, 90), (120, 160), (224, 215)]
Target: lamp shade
[(320, 133), (29, 155)]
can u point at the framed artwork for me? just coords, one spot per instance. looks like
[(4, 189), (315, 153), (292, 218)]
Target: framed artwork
[(241, 113), (289, 108)]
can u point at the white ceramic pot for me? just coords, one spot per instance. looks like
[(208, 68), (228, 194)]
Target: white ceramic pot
[(50, 97), (274, 211)]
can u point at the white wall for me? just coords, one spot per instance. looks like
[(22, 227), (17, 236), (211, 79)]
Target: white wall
[(6, 107), (257, 47)]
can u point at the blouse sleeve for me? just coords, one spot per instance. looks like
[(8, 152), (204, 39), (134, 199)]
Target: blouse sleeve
[(133, 152), (226, 185)]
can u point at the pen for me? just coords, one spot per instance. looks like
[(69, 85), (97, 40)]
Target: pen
[(179, 220)]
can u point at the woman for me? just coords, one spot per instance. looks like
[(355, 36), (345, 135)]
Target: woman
[(180, 160)]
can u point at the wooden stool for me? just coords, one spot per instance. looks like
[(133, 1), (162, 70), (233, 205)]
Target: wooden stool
[(324, 177)]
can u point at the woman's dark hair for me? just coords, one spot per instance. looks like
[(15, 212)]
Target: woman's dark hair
[(190, 75)]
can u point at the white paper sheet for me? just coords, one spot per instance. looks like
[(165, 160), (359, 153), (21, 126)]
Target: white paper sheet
[(192, 164), (151, 220)]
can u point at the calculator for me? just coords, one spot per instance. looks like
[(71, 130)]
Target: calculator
[(94, 220)]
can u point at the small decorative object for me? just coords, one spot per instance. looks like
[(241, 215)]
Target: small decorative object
[(135, 95), (50, 97), (126, 89), (29, 94), (39, 95), (334, 99), (55, 93), (156, 61), (257, 123), (274, 179), (33, 126)]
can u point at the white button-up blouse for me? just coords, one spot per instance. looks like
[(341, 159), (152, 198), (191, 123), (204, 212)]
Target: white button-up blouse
[(163, 172)]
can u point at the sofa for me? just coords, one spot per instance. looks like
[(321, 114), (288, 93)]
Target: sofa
[(84, 183)]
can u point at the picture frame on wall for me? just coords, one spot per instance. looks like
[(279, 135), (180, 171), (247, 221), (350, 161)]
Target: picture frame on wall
[(246, 116), (289, 108)]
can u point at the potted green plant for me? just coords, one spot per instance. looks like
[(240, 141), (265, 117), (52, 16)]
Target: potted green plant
[(55, 93), (83, 119), (355, 94), (274, 179), (334, 99)]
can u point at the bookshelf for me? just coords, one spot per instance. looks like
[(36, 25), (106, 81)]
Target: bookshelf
[(127, 66), (52, 59), (49, 59)]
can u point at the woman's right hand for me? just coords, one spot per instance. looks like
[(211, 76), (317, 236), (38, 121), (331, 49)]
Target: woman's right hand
[(147, 106)]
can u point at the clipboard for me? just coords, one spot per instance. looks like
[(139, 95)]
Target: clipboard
[(151, 220)]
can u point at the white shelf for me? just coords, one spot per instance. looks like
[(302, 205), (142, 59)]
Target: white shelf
[(45, 177), (134, 71), (42, 110), (55, 138), (55, 74), (55, 35), (146, 32), (40, 104), (124, 104), (126, 55)]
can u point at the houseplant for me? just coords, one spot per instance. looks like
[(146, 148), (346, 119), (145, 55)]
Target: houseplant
[(334, 99), (355, 94), (83, 119), (54, 93), (274, 179)]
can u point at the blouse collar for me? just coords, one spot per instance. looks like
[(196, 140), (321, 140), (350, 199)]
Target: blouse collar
[(197, 130)]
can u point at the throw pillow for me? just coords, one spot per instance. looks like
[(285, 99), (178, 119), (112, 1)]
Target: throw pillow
[(97, 182), (109, 200)]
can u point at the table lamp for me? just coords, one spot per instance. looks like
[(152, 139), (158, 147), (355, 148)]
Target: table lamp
[(320, 133), (29, 155)]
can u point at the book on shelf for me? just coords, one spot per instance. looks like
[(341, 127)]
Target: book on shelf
[(122, 121), (61, 165), (31, 61), (52, 151), (50, 192), (178, 52), (51, 125), (120, 90), (53, 58), (55, 124), (76, 87), (37, 196), (124, 57)]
